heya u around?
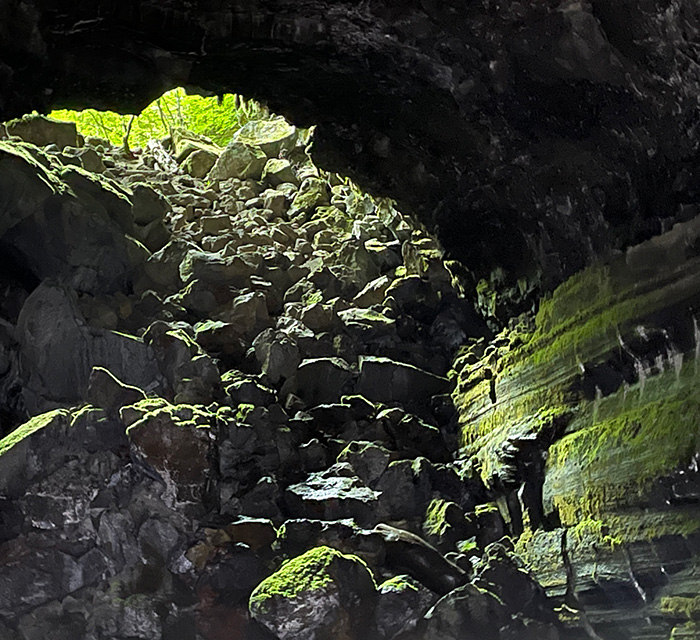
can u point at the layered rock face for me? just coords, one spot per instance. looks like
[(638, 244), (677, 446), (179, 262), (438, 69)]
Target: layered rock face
[(560, 128)]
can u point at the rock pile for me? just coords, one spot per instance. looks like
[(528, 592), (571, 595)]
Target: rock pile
[(234, 369)]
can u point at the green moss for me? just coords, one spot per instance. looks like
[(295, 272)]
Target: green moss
[(435, 522), (308, 572), (623, 444), (597, 530), (397, 584), (28, 428), (243, 410), (689, 631), (681, 606)]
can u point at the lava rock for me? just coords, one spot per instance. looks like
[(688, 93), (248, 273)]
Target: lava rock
[(401, 603), (318, 595), (43, 131)]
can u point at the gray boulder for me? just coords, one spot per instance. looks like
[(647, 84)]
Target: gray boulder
[(239, 160), (58, 351), (43, 131), (271, 136), (319, 595)]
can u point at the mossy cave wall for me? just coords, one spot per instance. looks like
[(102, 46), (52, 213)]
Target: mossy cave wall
[(552, 147)]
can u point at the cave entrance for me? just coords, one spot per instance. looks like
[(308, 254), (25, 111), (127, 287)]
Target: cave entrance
[(253, 259)]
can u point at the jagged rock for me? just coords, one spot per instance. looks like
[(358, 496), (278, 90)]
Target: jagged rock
[(200, 162), (408, 552), (467, 612), (269, 135), (368, 460), (514, 586), (445, 524), (373, 292), (148, 205), (405, 489), (384, 380), (58, 351), (277, 354), (278, 171), (162, 269), (331, 495), (43, 131), (416, 437), (242, 389), (107, 392), (215, 268), (191, 375), (239, 160), (175, 443), (319, 593), (312, 193), (77, 233), (401, 603), (320, 380)]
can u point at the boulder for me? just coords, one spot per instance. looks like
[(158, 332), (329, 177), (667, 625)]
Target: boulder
[(385, 380), (69, 224), (333, 494), (409, 552), (238, 160), (401, 603), (107, 392), (321, 380), (277, 354), (368, 460), (148, 205), (319, 595), (58, 351), (467, 613), (43, 131), (278, 171), (311, 194), (200, 162), (175, 442), (271, 136)]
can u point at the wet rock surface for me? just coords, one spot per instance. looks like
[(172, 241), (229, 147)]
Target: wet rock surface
[(284, 420)]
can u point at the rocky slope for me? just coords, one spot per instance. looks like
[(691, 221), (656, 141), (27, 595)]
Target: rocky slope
[(251, 402), (265, 375)]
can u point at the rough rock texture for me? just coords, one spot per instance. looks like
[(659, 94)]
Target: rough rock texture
[(534, 136), (586, 425), (228, 406), (272, 365)]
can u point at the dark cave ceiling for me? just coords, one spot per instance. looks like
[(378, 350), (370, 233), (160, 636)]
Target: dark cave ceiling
[(533, 136)]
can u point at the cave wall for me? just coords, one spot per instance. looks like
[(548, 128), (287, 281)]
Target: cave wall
[(532, 136)]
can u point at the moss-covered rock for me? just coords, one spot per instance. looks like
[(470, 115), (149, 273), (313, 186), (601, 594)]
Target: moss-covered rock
[(320, 595)]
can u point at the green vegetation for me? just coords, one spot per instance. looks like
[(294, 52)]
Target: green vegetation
[(308, 572), (28, 428), (215, 118), (435, 522), (622, 444), (681, 606), (397, 584)]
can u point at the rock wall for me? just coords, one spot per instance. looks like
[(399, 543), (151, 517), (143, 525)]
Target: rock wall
[(562, 129), (586, 423)]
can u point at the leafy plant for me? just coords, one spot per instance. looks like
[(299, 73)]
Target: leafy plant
[(216, 118)]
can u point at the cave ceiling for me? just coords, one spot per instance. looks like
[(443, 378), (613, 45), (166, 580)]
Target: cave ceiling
[(533, 136)]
